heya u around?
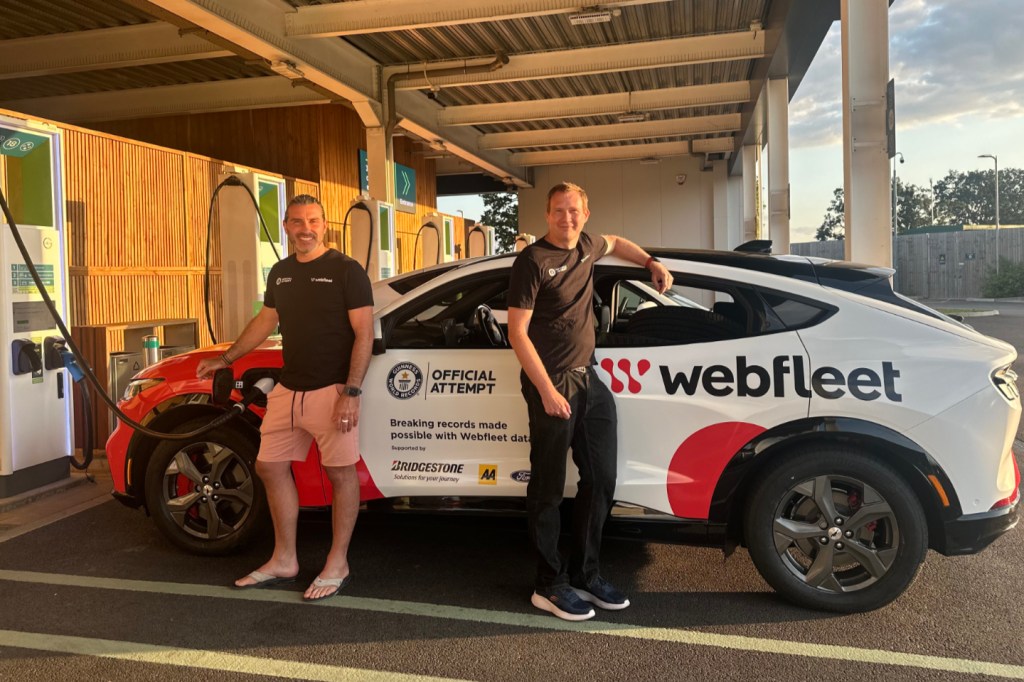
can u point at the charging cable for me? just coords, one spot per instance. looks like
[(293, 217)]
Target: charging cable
[(237, 409)]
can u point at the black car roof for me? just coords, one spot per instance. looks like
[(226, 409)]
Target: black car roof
[(836, 274)]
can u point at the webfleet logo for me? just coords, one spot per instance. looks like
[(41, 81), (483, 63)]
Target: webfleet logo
[(626, 369), (787, 373)]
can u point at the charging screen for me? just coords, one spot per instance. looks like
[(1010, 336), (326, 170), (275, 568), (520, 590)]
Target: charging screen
[(28, 177)]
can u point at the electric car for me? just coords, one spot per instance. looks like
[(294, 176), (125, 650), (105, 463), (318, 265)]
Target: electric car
[(794, 406)]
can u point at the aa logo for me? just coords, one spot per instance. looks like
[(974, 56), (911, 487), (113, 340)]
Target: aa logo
[(488, 474)]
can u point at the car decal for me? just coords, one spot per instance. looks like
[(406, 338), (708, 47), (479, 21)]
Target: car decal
[(698, 463), (368, 490), (625, 366)]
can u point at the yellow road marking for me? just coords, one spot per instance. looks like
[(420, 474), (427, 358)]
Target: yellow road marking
[(539, 622), (137, 652)]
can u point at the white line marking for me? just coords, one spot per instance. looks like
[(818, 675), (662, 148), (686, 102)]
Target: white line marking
[(136, 652), (538, 622)]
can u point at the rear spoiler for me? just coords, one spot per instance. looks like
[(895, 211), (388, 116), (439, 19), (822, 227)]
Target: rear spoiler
[(755, 246)]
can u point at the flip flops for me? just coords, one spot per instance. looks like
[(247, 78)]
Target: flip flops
[(264, 580), (337, 583)]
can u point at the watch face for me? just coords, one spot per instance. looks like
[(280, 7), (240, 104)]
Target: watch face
[(353, 391)]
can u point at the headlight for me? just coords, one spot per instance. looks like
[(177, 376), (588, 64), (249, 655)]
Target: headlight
[(1005, 380), (137, 386)]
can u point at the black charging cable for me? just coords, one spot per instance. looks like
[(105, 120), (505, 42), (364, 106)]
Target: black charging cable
[(236, 409)]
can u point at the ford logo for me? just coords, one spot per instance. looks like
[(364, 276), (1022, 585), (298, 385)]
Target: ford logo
[(521, 476)]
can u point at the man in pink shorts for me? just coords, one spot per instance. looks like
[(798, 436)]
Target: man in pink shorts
[(323, 302)]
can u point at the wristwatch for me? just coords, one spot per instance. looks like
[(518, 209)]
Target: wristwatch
[(353, 391)]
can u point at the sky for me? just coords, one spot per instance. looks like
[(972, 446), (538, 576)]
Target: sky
[(959, 72)]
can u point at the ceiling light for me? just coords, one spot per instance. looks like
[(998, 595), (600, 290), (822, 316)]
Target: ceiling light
[(287, 69), (593, 16), (632, 116)]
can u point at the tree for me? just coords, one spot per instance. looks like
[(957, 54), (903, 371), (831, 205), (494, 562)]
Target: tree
[(502, 213), (914, 207), (969, 198), (833, 226)]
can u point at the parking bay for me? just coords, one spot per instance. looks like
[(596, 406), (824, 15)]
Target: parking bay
[(448, 596)]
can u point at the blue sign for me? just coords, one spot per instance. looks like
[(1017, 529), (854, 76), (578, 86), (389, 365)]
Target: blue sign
[(405, 183)]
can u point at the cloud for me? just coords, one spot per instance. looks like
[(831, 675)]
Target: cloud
[(951, 60)]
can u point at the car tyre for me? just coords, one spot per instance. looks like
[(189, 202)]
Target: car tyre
[(831, 528), (203, 493)]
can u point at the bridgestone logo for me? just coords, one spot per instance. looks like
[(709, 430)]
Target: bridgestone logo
[(427, 467), (755, 381)]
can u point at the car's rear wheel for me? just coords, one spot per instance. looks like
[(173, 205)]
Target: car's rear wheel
[(831, 528), (204, 493)]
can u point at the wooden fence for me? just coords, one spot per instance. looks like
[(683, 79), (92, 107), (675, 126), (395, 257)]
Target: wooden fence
[(940, 265)]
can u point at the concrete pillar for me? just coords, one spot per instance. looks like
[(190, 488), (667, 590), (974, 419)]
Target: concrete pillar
[(778, 164), (380, 166), (750, 185), (865, 47), (720, 174)]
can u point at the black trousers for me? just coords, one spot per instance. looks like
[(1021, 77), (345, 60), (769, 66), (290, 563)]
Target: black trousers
[(591, 432)]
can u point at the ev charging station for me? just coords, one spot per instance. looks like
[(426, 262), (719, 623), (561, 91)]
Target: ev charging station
[(480, 241), (436, 240), (524, 240), (247, 254), (372, 228), (35, 389)]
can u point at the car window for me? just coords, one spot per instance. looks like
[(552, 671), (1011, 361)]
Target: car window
[(794, 313), (448, 317), (694, 310)]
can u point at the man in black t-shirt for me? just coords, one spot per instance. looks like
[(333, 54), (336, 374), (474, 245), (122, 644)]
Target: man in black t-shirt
[(551, 329), (323, 302)]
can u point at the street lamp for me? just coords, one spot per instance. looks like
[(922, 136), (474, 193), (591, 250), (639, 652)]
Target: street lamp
[(996, 160)]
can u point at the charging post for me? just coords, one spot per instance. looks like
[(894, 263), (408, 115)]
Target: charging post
[(479, 241), (436, 240), (35, 391), (247, 251), (524, 240), (372, 230)]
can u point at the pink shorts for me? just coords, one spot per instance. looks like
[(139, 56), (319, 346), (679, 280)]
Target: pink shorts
[(295, 418)]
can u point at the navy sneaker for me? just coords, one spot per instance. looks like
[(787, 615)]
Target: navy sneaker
[(602, 593), (562, 602)]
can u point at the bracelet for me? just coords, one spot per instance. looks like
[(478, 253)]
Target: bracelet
[(650, 259), (224, 359)]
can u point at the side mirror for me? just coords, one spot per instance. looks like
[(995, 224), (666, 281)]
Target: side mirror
[(223, 384)]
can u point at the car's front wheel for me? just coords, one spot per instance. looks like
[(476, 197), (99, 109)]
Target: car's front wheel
[(831, 528), (204, 493)]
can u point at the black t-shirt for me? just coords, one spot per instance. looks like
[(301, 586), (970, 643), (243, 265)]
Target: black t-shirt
[(312, 302), (558, 285)]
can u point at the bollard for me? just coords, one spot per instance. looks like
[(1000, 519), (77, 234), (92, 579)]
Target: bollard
[(151, 349)]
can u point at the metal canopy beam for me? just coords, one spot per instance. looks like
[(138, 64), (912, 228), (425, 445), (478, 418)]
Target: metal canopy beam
[(714, 94), (655, 150), (104, 48), (376, 16), (247, 93), (257, 26), (634, 151), (697, 125), (461, 142), (591, 60)]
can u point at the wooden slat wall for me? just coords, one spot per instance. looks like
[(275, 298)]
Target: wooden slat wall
[(320, 143)]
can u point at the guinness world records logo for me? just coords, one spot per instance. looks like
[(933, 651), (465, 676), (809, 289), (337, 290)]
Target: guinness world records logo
[(404, 380)]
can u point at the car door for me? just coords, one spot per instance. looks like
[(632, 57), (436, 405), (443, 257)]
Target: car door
[(694, 383), (442, 409)]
